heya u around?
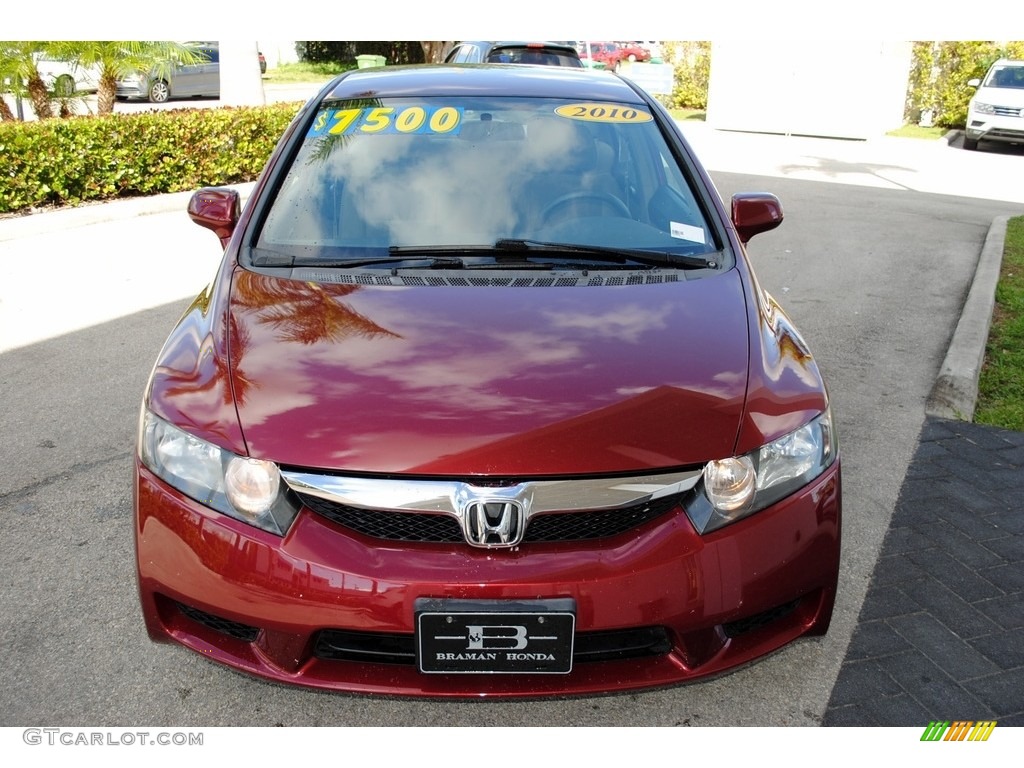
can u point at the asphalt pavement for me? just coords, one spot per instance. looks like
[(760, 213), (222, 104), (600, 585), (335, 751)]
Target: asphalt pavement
[(940, 635)]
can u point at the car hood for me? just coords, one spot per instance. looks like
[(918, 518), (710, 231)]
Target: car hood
[(1001, 97), (488, 381), (496, 381)]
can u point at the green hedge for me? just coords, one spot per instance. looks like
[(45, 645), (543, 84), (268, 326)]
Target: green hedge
[(76, 160)]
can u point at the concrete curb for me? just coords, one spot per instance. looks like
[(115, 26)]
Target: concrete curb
[(41, 222), (955, 392)]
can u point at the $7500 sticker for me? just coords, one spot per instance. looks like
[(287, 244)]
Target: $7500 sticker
[(371, 120)]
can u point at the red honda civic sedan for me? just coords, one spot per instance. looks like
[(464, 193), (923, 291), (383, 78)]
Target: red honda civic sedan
[(485, 400)]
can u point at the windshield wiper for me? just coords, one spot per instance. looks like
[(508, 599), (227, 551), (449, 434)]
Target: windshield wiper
[(428, 262), (506, 252), (604, 253), (470, 250), (263, 258)]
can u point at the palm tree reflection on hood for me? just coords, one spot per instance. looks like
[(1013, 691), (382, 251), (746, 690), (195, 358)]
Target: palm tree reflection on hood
[(303, 312)]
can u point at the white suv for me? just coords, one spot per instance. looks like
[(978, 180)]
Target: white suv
[(996, 113)]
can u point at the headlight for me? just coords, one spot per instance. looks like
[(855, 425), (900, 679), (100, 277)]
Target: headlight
[(246, 489), (739, 486), (985, 109)]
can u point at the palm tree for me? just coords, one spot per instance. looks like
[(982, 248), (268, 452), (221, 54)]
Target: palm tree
[(115, 59), (10, 82), (18, 64)]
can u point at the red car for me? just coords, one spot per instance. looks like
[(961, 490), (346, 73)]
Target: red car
[(613, 54), (451, 422), (634, 52)]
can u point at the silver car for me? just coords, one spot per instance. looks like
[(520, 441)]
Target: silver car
[(179, 81)]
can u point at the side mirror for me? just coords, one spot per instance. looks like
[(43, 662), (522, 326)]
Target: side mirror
[(974, 82), (754, 213), (217, 209)]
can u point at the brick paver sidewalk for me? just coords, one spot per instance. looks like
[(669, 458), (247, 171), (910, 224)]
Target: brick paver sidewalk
[(941, 632)]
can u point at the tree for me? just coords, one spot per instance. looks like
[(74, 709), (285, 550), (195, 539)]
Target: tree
[(10, 82), (112, 59), (18, 64), (434, 51), (345, 52), (691, 61)]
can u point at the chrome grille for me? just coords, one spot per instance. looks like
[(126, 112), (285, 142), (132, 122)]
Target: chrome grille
[(599, 524), (447, 511), (389, 525), (393, 525)]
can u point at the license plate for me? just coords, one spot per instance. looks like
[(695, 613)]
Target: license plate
[(495, 637)]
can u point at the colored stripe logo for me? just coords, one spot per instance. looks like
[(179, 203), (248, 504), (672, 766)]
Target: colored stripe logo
[(960, 730)]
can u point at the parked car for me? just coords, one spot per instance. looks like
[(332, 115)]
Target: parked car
[(608, 54), (996, 112), (633, 52), (179, 80), (653, 47), (514, 52), (64, 78), (485, 400)]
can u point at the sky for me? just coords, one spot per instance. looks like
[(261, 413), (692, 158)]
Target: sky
[(586, 19)]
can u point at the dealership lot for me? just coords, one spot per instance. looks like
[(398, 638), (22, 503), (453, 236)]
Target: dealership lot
[(873, 261)]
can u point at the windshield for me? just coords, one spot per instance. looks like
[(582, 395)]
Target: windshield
[(546, 56), (1005, 77), (374, 175)]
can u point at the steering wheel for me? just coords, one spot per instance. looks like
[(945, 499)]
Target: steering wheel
[(604, 198)]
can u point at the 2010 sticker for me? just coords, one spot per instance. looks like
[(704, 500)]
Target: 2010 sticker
[(604, 113), (386, 120)]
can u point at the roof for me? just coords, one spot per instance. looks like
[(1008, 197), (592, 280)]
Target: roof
[(482, 80)]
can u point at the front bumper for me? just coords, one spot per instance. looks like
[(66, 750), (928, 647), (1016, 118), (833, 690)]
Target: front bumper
[(132, 90), (999, 127), (328, 608)]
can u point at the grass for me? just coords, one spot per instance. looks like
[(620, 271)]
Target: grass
[(1001, 385), (911, 131), (302, 72)]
